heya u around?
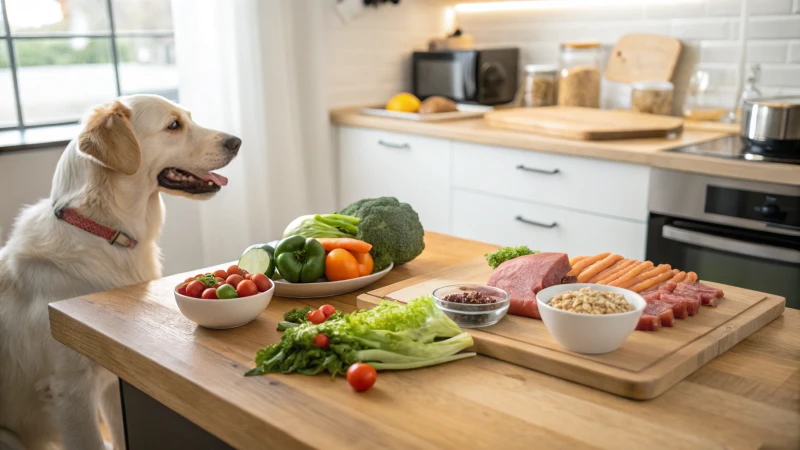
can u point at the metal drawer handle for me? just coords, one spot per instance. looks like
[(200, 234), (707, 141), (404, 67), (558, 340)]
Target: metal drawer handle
[(535, 223), (730, 245), (403, 146), (533, 169)]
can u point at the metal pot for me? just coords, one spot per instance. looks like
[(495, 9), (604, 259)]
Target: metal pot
[(771, 119)]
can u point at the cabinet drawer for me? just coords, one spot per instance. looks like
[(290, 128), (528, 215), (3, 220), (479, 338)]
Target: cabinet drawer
[(415, 169), (503, 221), (605, 187)]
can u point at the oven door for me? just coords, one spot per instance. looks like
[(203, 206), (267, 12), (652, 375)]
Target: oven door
[(749, 259)]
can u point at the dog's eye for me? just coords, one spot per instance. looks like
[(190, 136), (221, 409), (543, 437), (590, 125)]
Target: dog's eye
[(174, 125)]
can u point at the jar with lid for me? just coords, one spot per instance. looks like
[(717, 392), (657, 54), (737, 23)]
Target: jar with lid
[(652, 97), (579, 79), (540, 85)]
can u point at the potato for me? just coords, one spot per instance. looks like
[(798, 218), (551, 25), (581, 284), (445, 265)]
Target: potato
[(437, 104)]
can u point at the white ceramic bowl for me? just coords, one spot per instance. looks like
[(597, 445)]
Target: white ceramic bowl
[(223, 313), (589, 333)]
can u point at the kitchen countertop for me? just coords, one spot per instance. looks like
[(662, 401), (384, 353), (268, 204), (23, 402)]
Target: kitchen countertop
[(640, 151), (749, 397)]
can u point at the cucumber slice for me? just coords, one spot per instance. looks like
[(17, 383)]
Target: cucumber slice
[(258, 260)]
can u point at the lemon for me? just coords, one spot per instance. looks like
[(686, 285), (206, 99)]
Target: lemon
[(403, 102)]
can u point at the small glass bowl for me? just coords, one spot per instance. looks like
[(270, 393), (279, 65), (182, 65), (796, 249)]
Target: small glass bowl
[(471, 315)]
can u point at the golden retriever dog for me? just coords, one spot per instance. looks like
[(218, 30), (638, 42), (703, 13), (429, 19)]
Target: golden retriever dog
[(108, 180)]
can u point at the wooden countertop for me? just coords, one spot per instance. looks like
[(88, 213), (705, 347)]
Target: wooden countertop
[(747, 398), (639, 151)]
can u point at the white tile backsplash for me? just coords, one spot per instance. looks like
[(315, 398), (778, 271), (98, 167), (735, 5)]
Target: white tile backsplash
[(774, 27), (794, 52)]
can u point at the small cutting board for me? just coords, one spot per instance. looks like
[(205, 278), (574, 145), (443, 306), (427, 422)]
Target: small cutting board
[(643, 57), (646, 365), (588, 124)]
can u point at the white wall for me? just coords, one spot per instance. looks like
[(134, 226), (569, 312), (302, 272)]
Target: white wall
[(708, 28), (368, 59)]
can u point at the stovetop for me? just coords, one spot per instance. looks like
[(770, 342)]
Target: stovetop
[(732, 147)]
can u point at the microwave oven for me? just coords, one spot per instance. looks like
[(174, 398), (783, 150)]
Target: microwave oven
[(486, 77)]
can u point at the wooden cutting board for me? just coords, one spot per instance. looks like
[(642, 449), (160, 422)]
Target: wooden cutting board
[(643, 57), (588, 124), (646, 365)]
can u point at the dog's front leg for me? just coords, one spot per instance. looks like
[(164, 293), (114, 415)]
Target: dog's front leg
[(75, 403), (111, 408)]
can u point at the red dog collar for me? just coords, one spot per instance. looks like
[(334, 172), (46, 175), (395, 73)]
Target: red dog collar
[(113, 237)]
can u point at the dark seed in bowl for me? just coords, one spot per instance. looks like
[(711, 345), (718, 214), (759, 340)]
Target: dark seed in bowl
[(471, 297)]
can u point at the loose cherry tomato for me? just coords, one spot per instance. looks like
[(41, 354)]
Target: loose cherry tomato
[(361, 376), (210, 294), (182, 289), (220, 274), (234, 280), (328, 310), (235, 270), (195, 289), (248, 276), (341, 265), (365, 263), (321, 340), (262, 282), (246, 288), (316, 317)]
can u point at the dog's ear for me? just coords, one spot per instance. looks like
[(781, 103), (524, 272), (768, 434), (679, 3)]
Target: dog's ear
[(109, 138)]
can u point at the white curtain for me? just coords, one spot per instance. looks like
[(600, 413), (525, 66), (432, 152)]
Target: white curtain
[(254, 68)]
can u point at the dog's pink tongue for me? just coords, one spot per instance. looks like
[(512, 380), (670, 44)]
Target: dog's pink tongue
[(218, 179)]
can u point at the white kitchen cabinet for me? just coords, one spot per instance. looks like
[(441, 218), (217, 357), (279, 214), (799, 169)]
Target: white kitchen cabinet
[(415, 169), (604, 187), (504, 221)]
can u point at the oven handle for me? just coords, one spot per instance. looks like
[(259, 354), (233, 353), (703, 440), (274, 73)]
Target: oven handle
[(730, 245)]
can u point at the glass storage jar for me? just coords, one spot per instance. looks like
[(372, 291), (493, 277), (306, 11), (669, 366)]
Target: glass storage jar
[(540, 85), (579, 80), (652, 97)]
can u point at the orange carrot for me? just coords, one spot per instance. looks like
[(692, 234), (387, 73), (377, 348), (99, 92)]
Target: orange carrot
[(598, 267), (616, 267), (679, 276), (633, 273), (575, 259), (646, 284), (586, 262), (349, 244), (662, 268), (691, 276), (626, 267)]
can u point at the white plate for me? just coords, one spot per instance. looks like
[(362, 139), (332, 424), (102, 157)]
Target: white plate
[(326, 288), (465, 111)]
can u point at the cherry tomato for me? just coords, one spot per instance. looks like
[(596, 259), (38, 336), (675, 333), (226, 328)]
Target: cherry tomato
[(321, 340), (361, 376), (182, 289), (365, 263), (198, 275), (195, 289), (246, 288), (235, 270), (341, 265), (188, 280), (316, 317), (220, 274), (216, 286), (328, 310), (234, 280), (248, 276), (210, 294), (262, 282)]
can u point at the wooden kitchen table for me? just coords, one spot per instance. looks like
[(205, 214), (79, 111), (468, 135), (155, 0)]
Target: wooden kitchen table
[(173, 370)]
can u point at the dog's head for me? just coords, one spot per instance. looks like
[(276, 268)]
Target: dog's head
[(157, 141)]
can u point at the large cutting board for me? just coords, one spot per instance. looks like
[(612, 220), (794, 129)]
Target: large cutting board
[(588, 124), (646, 365), (643, 57)]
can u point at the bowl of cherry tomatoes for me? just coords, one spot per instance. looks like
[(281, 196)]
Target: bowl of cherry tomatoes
[(224, 298)]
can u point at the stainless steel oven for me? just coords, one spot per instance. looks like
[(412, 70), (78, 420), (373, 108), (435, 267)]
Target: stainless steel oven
[(735, 232)]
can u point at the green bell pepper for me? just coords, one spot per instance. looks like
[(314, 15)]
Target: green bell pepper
[(300, 260)]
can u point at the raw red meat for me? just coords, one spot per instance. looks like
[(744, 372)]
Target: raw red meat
[(648, 323), (661, 310), (523, 277), (708, 295), (694, 300), (680, 307), (651, 296), (669, 286)]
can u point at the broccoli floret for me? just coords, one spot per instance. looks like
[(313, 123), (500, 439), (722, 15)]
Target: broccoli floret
[(297, 315), (393, 228)]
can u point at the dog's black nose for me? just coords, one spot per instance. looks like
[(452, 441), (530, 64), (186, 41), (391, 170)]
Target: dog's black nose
[(232, 143)]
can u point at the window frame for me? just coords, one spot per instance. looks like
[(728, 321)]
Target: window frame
[(112, 34)]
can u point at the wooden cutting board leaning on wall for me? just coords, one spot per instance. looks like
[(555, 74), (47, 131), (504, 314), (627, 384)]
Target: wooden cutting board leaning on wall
[(643, 57), (588, 124)]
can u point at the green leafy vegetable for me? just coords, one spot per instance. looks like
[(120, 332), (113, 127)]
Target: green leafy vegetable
[(393, 228), (507, 253), (323, 226), (390, 336), (297, 315), (208, 279)]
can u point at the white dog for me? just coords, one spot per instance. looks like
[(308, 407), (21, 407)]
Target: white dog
[(97, 231)]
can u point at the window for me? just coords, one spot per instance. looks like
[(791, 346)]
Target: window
[(60, 57)]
